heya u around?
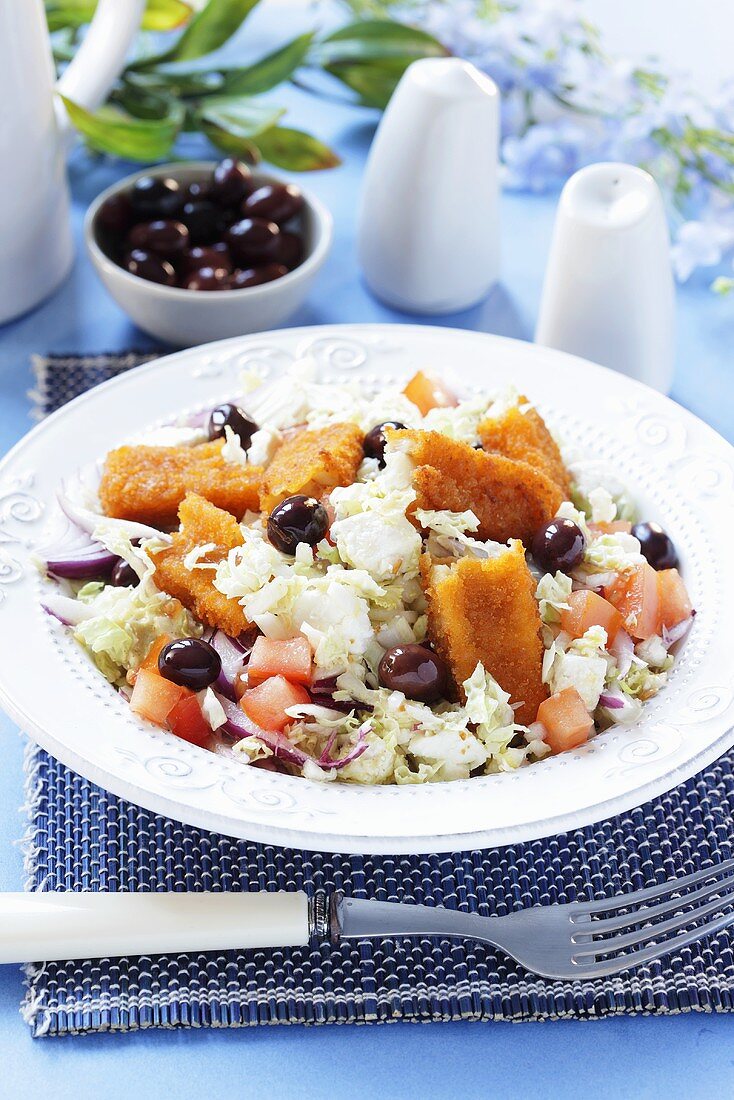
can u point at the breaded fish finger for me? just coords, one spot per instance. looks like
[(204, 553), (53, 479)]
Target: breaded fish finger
[(201, 523), (485, 610), (521, 433), (313, 462), (148, 483), (510, 499)]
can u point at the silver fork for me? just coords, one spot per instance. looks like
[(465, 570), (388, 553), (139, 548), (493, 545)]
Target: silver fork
[(579, 940)]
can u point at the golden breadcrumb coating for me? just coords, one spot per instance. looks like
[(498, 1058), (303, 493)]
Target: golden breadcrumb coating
[(523, 435), (485, 610), (201, 522), (313, 462), (510, 499), (148, 483)]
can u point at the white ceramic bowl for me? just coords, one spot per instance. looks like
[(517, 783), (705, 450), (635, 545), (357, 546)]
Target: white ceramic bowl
[(185, 317), (676, 468)]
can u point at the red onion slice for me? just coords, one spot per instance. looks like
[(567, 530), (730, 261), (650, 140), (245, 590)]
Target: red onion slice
[(360, 747), (86, 520), (96, 562), (234, 658), (68, 611), (612, 702), (670, 637), (623, 650)]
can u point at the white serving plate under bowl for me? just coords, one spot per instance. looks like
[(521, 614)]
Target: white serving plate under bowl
[(186, 317), (679, 470)]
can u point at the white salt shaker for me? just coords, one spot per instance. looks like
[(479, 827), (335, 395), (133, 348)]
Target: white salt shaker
[(608, 293), (429, 223)]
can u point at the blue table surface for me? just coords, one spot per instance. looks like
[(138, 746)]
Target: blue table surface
[(649, 1057)]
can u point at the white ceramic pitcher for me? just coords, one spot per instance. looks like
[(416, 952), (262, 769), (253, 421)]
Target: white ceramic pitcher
[(36, 248)]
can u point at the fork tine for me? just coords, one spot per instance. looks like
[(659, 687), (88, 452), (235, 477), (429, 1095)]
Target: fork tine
[(623, 901), (637, 958), (646, 913), (652, 932)]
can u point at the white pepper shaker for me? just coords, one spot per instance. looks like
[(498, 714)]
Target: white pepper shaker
[(428, 236), (608, 294)]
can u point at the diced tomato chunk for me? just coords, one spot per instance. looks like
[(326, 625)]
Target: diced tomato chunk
[(635, 596), (151, 657), (675, 603), (616, 526), (566, 720), (290, 658), (188, 722), (429, 393), (154, 697), (267, 703), (590, 609)]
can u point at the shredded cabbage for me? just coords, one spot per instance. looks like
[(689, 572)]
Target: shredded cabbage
[(125, 623), (552, 595)]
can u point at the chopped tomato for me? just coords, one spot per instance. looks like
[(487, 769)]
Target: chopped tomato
[(267, 703), (590, 609), (635, 596), (616, 526), (187, 720), (154, 697), (290, 658), (675, 603), (566, 720), (429, 393), (151, 657)]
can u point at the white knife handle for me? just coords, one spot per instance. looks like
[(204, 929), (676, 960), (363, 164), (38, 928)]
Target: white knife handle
[(51, 926)]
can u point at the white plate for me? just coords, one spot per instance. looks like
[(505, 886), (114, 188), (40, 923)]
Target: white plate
[(679, 470)]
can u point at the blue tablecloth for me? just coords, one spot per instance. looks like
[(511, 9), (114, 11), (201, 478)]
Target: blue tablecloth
[(648, 1056)]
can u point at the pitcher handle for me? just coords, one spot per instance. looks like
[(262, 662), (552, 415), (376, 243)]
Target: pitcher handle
[(101, 56)]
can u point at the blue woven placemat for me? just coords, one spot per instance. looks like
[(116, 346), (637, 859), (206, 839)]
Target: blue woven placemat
[(81, 838)]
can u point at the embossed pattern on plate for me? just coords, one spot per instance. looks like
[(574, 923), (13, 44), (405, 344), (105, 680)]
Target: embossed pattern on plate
[(678, 469)]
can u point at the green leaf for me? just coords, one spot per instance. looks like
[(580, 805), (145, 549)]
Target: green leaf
[(111, 131), (239, 115), (230, 143), (295, 150), (166, 15), (269, 71), (209, 29), (370, 57), (159, 15), (374, 83), (144, 103), (261, 76), (376, 40)]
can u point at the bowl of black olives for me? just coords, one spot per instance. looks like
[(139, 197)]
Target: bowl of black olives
[(200, 251)]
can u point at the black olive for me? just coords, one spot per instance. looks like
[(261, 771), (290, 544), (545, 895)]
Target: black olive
[(147, 266), (155, 197), (276, 202), (230, 183), (164, 237), (231, 416), (252, 241), (297, 519), (656, 545), (206, 278), (123, 575), (204, 220), (558, 545), (416, 671), (256, 276), (190, 663), (374, 441)]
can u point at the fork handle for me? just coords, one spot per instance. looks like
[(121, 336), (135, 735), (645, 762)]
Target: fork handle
[(52, 926)]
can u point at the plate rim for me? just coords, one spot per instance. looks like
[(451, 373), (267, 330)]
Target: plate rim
[(266, 831)]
